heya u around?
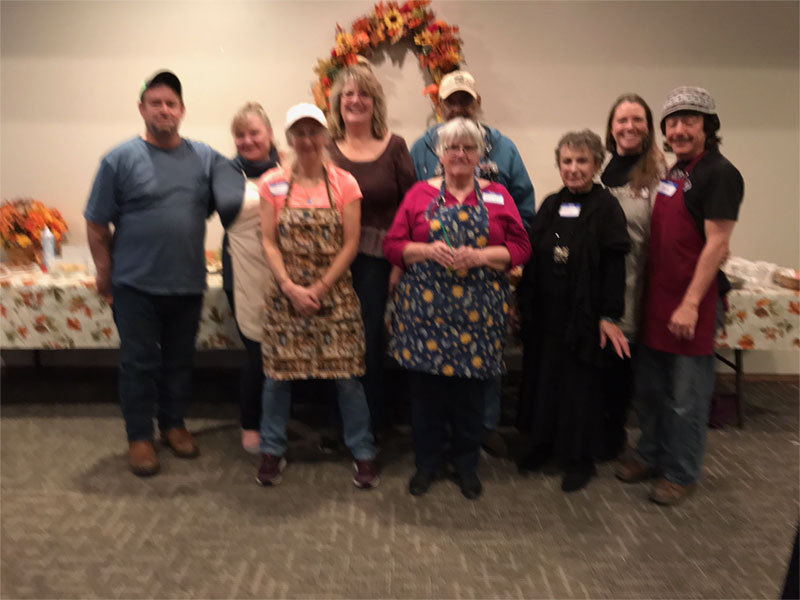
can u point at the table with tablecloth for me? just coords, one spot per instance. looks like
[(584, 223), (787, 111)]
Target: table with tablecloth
[(63, 311), (758, 317)]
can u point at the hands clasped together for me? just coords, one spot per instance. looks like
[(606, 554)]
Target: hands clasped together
[(463, 257), (306, 300)]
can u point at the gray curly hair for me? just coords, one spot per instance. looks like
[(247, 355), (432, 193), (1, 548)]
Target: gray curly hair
[(583, 139)]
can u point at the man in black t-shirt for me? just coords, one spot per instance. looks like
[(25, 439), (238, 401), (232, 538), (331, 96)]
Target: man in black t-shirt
[(693, 219)]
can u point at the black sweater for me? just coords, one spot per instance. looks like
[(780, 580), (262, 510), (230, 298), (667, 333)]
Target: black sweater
[(594, 274)]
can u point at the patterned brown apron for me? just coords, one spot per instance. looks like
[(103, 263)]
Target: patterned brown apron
[(330, 343)]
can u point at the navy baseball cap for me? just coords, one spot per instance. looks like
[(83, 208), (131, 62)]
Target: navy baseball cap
[(167, 78)]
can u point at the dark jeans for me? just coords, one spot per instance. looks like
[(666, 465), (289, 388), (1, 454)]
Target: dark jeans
[(371, 284), (436, 400), (251, 379), (157, 336)]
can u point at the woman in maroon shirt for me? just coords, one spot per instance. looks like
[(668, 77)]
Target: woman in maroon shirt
[(380, 162), (456, 237)]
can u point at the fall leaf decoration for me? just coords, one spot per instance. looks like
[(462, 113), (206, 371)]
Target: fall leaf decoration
[(437, 44), (22, 222)]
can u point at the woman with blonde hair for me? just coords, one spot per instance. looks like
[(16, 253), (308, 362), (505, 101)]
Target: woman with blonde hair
[(380, 162), (245, 274), (310, 220)]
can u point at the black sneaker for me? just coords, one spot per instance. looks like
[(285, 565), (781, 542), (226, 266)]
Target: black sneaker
[(470, 485), (420, 482), (576, 477), (533, 461)]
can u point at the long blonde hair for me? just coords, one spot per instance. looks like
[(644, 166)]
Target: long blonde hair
[(251, 108), (365, 79)]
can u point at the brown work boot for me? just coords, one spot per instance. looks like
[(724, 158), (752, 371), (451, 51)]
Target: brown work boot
[(494, 444), (666, 493), (181, 442), (142, 458), (632, 471)]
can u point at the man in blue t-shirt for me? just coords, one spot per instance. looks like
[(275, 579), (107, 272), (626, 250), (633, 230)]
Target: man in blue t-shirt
[(157, 192)]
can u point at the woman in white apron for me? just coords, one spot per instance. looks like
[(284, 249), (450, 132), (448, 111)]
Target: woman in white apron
[(245, 274)]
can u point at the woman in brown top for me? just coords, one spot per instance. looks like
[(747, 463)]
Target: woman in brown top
[(382, 165)]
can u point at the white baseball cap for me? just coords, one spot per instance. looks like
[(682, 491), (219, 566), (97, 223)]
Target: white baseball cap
[(304, 110), (458, 81)]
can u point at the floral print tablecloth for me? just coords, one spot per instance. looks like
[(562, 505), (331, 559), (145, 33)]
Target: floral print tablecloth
[(39, 311), (762, 318)]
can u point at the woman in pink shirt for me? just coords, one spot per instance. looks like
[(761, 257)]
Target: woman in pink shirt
[(455, 236), (310, 220)]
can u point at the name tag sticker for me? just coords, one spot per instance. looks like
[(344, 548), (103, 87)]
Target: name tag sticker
[(569, 210), (667, 188), (493, 198), (279, 188)]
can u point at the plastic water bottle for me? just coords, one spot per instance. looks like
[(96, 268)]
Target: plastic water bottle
[(48, 248)]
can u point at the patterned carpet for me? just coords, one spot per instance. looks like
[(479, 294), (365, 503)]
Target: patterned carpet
[(76, 524)]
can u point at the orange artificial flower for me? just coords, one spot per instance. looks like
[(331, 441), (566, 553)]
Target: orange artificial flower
[(362, 25), (22, 222)]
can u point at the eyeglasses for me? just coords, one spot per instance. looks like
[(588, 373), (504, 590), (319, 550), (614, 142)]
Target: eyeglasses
[(466, 149)]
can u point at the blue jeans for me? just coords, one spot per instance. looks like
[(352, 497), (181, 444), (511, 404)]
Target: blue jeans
[(276, 403), (157, 336), (371, 284), (491, 403), (673, 400)]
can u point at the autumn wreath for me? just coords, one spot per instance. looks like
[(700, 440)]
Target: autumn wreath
[(436, 43)]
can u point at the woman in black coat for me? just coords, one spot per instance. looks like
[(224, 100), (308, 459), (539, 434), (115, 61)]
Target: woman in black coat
[(571, 297)]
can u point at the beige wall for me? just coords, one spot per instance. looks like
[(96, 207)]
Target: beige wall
[(71, 72)]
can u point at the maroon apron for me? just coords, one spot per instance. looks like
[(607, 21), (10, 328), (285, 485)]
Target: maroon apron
[(675, 247)]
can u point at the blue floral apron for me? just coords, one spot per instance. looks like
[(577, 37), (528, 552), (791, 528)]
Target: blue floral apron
[(447, 322)]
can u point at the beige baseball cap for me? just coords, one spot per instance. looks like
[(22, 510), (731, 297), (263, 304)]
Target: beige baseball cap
[(458, 81)]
